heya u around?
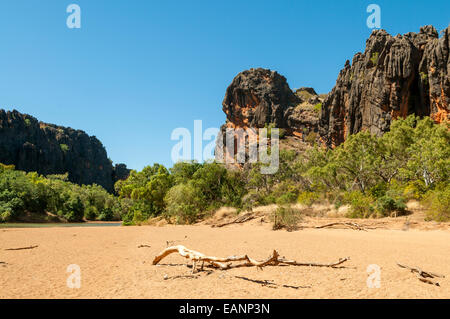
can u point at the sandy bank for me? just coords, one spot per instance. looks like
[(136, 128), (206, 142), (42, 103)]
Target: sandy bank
[(112, 265)]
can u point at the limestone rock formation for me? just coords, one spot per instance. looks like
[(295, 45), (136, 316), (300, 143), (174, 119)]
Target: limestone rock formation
[(31, 145), (259, 98), (394, 77)]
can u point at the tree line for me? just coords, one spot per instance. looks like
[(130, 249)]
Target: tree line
[(374, 175)]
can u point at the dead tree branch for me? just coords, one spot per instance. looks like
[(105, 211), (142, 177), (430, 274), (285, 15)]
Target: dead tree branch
[(423, 275), (227, 263), (331, 265), (348, 224), (239, 220)]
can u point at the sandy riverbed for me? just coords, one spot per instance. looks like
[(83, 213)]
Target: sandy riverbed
[(112, 265)]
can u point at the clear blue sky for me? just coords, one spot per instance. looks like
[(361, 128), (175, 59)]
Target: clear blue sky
[(138, 69)]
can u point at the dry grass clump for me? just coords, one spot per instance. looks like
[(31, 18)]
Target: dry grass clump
[(286, 217)]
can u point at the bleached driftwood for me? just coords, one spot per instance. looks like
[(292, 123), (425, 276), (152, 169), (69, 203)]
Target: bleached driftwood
[(226, 263), (331, 265), (423, 275)]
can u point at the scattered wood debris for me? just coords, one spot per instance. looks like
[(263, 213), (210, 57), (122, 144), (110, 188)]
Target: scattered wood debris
[(351, 225), (239, 220), (423, 276), (23, 248), (181, 277), (270, 283), (227, 263)]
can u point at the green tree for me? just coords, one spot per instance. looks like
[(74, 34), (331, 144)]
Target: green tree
[(184, 203)]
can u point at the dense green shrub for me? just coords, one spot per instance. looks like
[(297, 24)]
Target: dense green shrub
[(361, 204), (233, 189), (308, 198), (73, 208), (438, 203), (91, 213), (415, 189), (184, 204), (22, 193), (106, 215), (386, 205)]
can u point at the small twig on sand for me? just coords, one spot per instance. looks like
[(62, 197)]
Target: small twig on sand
[(182, 277), (331, 265), (423, 275), (23, 248), (270, 283), (144, 246), (348, 224)]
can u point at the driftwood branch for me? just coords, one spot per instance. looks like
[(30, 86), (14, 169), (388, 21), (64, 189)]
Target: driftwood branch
[(331, 265), (347, 224), (422, 275), (227, 263), (144, 246), (23, 248), (239, 220)]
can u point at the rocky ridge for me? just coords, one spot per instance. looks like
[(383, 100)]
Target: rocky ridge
[(394, 77), (34, 146)]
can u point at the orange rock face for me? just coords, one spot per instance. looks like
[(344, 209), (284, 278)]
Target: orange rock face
[(259, 98)]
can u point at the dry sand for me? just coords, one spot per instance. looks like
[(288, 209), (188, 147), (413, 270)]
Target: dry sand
[(112, 265)]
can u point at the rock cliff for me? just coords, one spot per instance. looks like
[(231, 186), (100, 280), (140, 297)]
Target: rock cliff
[(31, 145), (394, 77)]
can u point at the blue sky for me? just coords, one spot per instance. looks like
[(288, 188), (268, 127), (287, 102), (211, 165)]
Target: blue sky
[(136, 70)]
